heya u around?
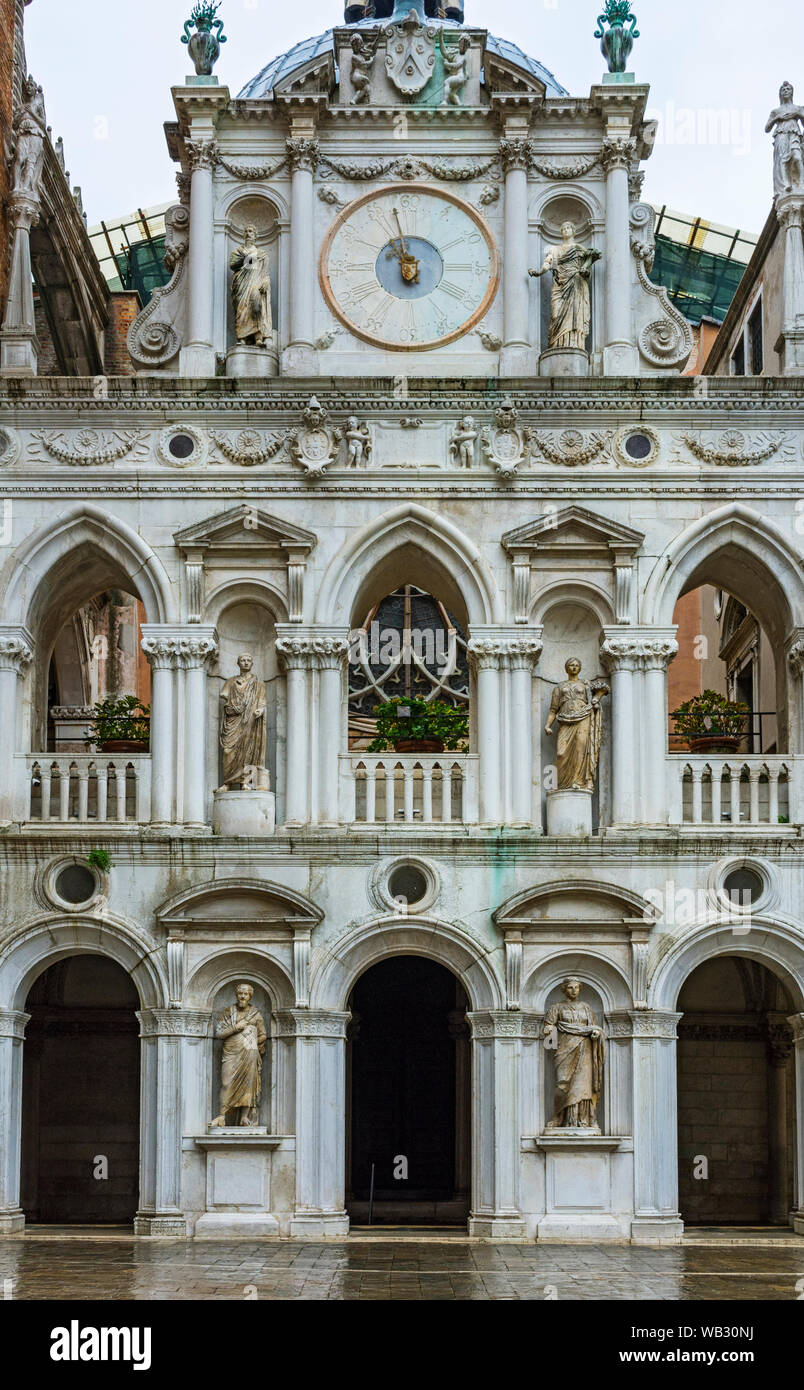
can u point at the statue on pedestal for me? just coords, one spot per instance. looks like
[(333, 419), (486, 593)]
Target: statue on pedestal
[(251, 291), (572, 1030), (571, 304), (576, 708), (243, 733), (244, 1037), (787, 123), (29, 143)]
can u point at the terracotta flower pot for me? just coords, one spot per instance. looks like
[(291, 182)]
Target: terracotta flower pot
[(124, 745), (715, 743), (419, 745)]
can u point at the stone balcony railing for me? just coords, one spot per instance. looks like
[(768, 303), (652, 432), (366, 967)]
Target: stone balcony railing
[(87, 788), (759, 790), (411, 788)]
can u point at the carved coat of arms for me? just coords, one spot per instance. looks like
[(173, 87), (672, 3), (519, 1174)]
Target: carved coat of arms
[(410, 54)]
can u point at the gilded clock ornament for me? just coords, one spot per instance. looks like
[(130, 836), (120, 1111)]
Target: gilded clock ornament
[(408, 268)]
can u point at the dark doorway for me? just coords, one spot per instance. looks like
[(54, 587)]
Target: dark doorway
[(409, 1081), (736, 1096), (81, 1081)]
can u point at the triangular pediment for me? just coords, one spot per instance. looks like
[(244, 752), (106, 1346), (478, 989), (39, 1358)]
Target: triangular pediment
[(245, 528), (574, 528)]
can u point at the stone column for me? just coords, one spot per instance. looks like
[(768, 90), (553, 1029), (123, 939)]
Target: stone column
[(790, 212), (314, 660), (780, 1047), (655, 1127), (162, 1032), (16, 655), (659, 650), (796, 1022), (497, 1128), (620, 356), (620, 656), (161, 649), (461, 1036), (320, 1209), (199, 650), (637, 659), (793, 736), (523, 655), (484, 655), (300, 357), (12, 1032), (19, 344), (198, 357), (515, 152)]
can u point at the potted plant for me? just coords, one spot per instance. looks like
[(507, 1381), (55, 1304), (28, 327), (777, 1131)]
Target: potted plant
[(120, 726), (712, 724), (414, 725)]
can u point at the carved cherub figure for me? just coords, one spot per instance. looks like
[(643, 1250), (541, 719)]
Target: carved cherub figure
[(358, 442), (363, 54), (456, 68), (462, 443)]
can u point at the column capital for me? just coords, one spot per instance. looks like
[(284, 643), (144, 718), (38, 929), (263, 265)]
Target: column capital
[(16, 649), (302, 154), (638, 649), (789, 209), (617, 154), (796, 1022), (202, 154), (505, 648), (12, 1023), (488, 1024), (178, 646), (643, 1023), (312, 1023), (795, 650), (516, 152), (174, 1023), (311, 648), (24, 211)]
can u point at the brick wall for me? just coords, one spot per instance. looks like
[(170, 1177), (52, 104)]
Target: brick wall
[(123, 309), (7, 13)]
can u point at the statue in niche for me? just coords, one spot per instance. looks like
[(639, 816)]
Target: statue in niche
[(786, 122), (244, 1037), (576, 708), (251, 291), (572, 1032), (571, 303), (29, 144), (456, 69), (243, 733)]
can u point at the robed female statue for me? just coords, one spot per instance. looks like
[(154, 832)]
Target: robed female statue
[(571, 304), (575, 707), (251, 291)]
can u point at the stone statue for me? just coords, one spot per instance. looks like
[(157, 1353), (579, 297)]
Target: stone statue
[(575, 706), (571, 314), (571, 1029), (358, 443), (786, 122), (29, 146), (251, 291), (244, 1037), (243, 734), (363, 56), (456, 71), (462, 443)]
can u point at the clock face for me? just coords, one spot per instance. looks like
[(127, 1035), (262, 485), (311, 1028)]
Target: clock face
[(407, 268)]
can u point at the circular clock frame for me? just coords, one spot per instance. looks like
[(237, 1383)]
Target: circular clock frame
[(418, 189)]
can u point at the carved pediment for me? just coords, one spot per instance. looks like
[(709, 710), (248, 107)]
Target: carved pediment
[(575, 903), (237, 905), (315, 77), (245, 528), (574, 531), (504, 77)]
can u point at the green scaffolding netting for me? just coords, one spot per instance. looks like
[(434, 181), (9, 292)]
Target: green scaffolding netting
[(699, 283)]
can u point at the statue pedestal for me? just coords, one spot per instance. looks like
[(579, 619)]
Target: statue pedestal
[(564, 362), (246, 360), (243, 812), (569, 813), (238, 1183), (584, 1175)]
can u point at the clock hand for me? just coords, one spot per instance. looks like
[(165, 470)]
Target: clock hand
[(408, 264)]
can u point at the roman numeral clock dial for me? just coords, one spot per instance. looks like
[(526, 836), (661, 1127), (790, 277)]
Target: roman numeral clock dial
[(409, 269)]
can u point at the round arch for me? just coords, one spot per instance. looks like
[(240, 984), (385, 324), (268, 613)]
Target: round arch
[(379, 939), (580, 592), (40, 944), (378, 558), (776, 946), (256, 591), (229, 966), (591, 967)]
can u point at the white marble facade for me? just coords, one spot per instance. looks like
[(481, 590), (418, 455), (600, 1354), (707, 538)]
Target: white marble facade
[(260, 532)]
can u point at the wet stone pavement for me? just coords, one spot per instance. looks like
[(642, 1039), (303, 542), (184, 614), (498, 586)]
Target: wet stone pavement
[(117, 1268)]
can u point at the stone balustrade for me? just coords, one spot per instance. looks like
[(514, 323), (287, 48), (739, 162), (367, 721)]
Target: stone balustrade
[(94, 788), (412, 788), (734, 790)]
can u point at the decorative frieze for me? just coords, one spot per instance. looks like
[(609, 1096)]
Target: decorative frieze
[(735, 448), (571, 448), (84, 448)]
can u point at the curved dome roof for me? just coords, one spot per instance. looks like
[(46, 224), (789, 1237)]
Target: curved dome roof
[(261, 86)]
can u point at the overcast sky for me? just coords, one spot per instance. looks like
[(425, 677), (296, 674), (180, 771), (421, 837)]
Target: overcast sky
[(714, 69)]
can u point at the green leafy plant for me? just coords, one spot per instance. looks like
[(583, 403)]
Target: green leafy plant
[(617, 12), (124, 719), (710, 715), (414, 718), (203, 15), (99, 859)]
